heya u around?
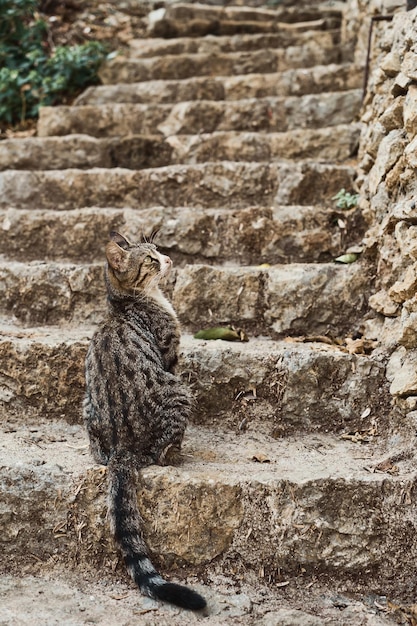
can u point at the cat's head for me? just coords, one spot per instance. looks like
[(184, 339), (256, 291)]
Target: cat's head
[(135, 268)]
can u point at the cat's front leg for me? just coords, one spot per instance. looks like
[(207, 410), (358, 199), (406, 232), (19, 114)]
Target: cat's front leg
[(171, 455)]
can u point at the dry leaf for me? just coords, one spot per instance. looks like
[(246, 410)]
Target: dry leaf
[(260, 458), (387, 467), (360, 346), (311, 339), (409, 613), (226, 333), (361, 436)]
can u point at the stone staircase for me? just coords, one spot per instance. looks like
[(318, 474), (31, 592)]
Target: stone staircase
[(229, 130)]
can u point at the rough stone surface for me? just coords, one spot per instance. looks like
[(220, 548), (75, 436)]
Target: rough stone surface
[(49, 293), (296, 82), (260, 114), (148, 151), (127, 70), (387, 183), (104, 602), (254, 385), (287, 36), (300, 299), (208, 185), (284, 512), (182, 20), (295, 500), (254, 235)]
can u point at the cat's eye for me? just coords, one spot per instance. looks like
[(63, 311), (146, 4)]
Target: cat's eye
[(151, 261)]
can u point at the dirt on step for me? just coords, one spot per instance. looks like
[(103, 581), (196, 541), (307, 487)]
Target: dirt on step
[(53, 599)]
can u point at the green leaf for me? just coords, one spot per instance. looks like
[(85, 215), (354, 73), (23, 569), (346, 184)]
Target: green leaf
[(347, 258), (29, 74), (346, 200)]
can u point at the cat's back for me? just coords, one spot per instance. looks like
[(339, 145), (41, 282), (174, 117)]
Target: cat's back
[(135, 336)]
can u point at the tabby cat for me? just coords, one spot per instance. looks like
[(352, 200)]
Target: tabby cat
[(136, 408)]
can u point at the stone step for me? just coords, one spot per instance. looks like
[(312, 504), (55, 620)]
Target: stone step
[(314, 507), (197, 20), (65, 598), (285, 37), (193, 28), (278, 388), (280, 300), (257, 383), (295, 82), (179, 66), (231, 184), (204, 116), (255, 235), (336, 143), (291, 299), (188, 11)]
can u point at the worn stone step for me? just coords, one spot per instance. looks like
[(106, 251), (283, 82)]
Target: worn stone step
[(60, 596), (336, 143), (314, 507), (253, 236), (285, 37), (292, 299), (295, 299), (189, 11), (278, 388), (179, 66), (295, 82), (194, 28), (204, 116), (194, 20), (231, 184)]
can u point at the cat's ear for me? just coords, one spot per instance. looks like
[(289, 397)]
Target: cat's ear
[(117, 257), (119, 239)]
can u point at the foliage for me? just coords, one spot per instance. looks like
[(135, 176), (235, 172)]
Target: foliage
[(33, 75), (346, 200)]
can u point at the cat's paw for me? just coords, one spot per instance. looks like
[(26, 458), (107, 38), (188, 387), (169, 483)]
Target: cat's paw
[(171, 455)]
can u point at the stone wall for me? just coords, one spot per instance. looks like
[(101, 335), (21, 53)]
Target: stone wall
[(388, 187), (358, 14)]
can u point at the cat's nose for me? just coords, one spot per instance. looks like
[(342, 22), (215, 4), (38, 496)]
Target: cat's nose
[(166, 260)]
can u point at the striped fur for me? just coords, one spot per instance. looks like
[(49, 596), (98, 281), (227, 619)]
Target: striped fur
[(136, 408)]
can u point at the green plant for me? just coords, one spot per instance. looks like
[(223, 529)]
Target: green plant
[(33, 75), (346, 200)]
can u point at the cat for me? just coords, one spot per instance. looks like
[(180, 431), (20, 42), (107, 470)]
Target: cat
[(135, 407)]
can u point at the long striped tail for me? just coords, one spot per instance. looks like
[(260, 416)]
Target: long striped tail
[(126, 525)]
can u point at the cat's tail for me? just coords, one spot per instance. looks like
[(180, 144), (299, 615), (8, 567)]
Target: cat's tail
[(126, 525)]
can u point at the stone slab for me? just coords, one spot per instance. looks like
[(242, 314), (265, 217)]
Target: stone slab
[(295, 82), (291, 299), (211, 44), (56, 597), (184, 11), (337, 144), (182, 19), (294, 299), (253, 235), (312, 506), (210, 185), (276, 388), (270, 115), (129, 70)]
